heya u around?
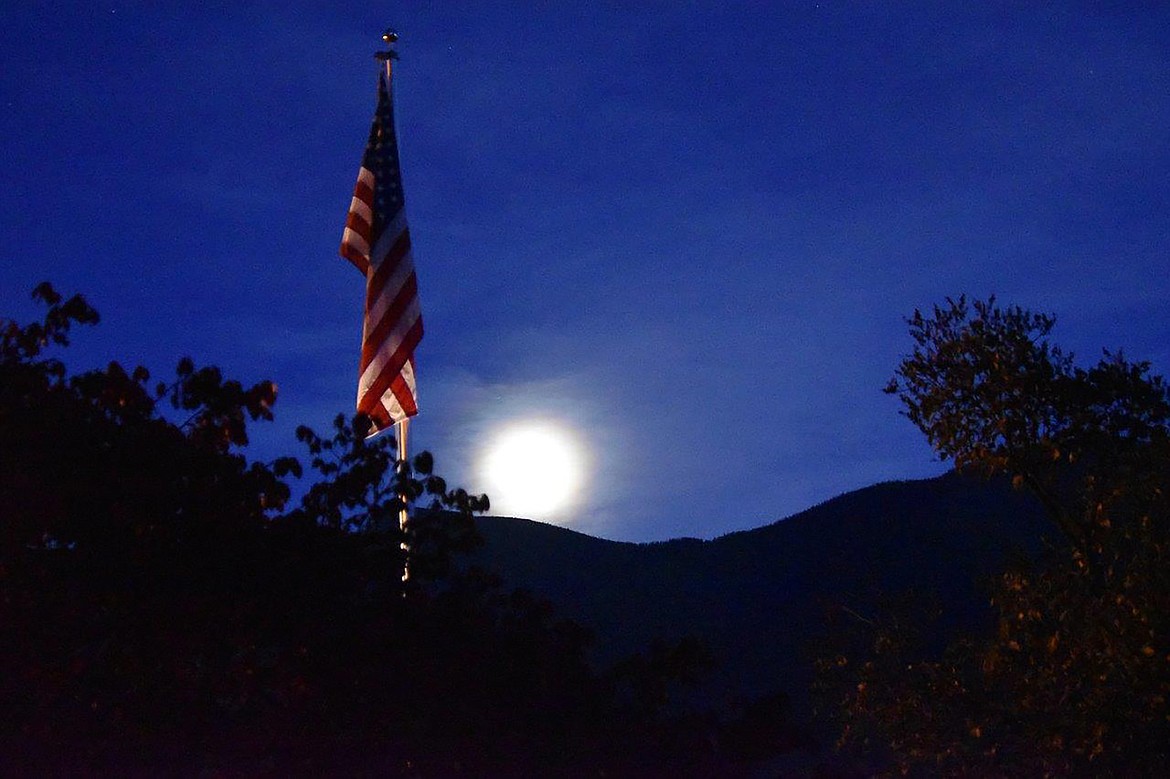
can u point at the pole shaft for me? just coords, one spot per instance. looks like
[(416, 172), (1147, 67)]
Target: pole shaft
[(404, 513)]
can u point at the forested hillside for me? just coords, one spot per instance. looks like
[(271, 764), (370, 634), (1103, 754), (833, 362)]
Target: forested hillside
[(763, 600)]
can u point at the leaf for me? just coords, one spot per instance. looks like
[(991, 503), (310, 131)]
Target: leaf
[(424, 463)]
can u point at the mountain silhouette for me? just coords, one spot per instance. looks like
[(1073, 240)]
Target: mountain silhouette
[(761, 599)]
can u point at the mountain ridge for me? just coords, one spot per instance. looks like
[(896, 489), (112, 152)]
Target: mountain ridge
[(760, 598)]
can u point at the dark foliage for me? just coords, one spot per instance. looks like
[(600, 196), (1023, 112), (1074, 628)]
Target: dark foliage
[(1075, 678), (166, 610)]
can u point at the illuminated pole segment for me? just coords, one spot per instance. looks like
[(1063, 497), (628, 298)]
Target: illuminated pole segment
[(403, 513)]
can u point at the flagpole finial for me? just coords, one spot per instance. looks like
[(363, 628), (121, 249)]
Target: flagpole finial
[(389, 37)]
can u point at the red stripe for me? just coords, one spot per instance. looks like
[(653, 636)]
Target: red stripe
[(356, 256), (377, 332), (358, 224), (363, 191), (386, 269), (379, 415)]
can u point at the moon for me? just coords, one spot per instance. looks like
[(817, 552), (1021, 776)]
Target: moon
[(533, 469)]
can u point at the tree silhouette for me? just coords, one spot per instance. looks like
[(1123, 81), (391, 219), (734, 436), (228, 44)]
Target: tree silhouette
[(990, 392), (1075, 678), (167, 607)]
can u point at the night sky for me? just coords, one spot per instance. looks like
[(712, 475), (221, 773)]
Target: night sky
[(690, 232)]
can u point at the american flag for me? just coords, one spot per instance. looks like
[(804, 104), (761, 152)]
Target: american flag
[(377, 241)]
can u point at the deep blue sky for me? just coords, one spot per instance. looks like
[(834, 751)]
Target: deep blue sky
[(690, 230)]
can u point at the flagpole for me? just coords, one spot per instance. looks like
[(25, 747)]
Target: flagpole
[(390, 37)]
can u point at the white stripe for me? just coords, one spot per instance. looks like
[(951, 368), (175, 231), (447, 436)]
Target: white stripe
[(408, 377), (389, 346), (366, 175), (390, 401), (354, 239), (361, 208)]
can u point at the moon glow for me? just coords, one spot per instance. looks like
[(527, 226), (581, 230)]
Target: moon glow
[(533, 469)]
